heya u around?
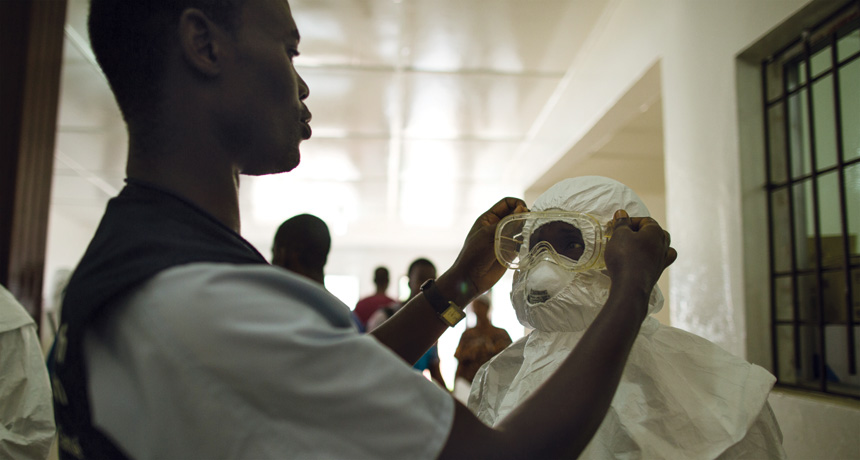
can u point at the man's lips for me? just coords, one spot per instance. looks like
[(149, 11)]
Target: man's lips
[(306, 125)]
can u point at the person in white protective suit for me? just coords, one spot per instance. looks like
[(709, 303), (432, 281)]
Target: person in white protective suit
[(26, 406), (680, 396)]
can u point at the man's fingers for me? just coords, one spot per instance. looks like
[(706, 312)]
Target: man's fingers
[(645, 225), (619, 219), (648, 225), (671, 255), (505, 207), (641, 223)]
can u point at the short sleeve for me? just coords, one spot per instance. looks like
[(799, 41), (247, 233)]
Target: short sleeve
[(242, 362)]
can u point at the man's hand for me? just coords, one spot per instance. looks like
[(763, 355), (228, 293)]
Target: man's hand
[(638, 251), (476, 269)]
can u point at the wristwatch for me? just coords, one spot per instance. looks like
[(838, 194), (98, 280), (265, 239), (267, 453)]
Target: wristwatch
[(449, 312)]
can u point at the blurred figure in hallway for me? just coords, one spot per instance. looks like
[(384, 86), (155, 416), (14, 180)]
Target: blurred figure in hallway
[(477, 345), (367, 306), (301, 246), (420, 270)]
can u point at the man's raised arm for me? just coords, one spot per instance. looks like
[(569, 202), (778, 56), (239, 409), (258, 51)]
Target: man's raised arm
[(416, 326)]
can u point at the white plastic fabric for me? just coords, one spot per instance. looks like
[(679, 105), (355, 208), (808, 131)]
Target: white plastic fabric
[(26, 406), (680, 396)]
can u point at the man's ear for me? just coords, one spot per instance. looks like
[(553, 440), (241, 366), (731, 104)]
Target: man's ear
[(199, 42)]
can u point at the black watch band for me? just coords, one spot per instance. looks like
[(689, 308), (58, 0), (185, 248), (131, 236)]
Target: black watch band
[(449, 312)]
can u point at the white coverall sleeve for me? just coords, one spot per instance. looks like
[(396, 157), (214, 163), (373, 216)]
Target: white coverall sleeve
[(762, 441), (26, 408)]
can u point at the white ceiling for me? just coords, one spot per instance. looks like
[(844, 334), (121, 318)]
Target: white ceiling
[(420, 108)]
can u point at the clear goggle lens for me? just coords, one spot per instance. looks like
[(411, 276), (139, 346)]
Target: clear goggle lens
[(573, 240)]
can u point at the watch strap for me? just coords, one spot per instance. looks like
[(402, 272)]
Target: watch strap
[(449, 312)]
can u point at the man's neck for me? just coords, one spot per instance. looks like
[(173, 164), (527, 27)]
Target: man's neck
[(208, 183)]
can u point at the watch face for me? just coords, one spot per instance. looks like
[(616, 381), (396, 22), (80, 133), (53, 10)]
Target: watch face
[(452, 315)]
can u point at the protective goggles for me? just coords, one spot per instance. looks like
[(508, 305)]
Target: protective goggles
[(573, 240)]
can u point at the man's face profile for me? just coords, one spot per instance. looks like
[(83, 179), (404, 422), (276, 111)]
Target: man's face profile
[(266, 118)]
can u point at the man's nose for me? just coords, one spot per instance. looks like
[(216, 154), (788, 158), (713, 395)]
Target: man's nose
[(304, 91)]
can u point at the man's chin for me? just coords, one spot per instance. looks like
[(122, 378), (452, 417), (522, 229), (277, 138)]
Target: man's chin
[(286, 164)]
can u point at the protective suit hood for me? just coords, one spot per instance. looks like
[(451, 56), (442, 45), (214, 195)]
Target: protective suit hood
[(578, 297), (680, 396)]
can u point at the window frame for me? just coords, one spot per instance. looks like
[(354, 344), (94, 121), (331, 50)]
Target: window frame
[(799, 55)]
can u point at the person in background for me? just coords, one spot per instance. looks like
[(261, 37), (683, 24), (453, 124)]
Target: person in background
[(420, 270), (478, 344), (367, 306), (301, 245), (26, 411)]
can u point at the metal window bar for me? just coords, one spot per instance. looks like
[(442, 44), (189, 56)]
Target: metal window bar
[(816, 216), (770, 216), (792, 238), (843, 200)]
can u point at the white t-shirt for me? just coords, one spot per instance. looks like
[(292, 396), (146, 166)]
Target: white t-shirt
[(229, 361)]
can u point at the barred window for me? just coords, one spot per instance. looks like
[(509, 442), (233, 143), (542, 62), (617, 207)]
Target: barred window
[(811, 96)]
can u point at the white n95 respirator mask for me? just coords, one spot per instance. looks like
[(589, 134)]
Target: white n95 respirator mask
[(558, 258)]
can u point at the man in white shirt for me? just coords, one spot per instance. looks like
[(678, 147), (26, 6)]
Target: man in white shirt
[(177, 340)]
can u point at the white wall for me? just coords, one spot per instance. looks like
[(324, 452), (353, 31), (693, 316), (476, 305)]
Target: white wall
[(68, 237), (697, 44), (817, 426)]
